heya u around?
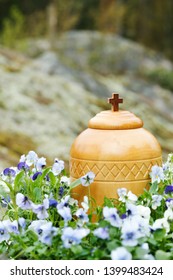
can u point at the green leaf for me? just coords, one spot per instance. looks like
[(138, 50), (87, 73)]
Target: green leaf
[(159, 234), (9, 186), (4, 190), (108, 202), (140, 252), (75, 184), (32, 235), (154, 188), (112, 245), (162, 255), (45, 172), (76, 249), (37, 192), (42, 250), (52, 178), (29, 249), (17, 180)]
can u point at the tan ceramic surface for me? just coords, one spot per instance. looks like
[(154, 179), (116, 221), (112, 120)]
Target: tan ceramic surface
[(118, 150)]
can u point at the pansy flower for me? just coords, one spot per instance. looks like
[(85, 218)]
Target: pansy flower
[(65, 212), (169, 189), (82, 216), (41, 209), (121, 253), (87, 179), (101, 232), (157, 174), (72, 236), (31, 158), (111, 215), (23, 201), (126, 196), (57, 167), (4, 234), (22, 166)]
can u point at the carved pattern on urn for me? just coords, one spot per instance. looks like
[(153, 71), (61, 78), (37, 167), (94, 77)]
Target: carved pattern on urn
[(112, 171)]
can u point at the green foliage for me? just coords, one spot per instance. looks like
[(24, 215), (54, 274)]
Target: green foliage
[(13, 28), (162, 77), (147, 22)]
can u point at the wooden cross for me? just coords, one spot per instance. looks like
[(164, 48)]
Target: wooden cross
[(115, 100)]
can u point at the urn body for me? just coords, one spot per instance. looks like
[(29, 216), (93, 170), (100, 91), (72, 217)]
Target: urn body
[(118, 150)]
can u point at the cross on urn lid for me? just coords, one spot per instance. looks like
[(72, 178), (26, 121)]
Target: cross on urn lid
[(115, 101)]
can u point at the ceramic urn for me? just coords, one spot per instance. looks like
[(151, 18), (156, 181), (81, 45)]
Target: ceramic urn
[(118, 150)]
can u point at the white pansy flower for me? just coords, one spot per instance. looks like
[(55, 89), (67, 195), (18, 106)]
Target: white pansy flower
[(41, 209), (85, 203), (65, 212), (169, 203), (143, 225), (130, 233), (4, 235), (126, 196), (72, 236), (131, 210), (22, 158), (161, 223), (57, 167), (73, 201), (111, 215), (22, 222), (168, 214), (41, 163), (31, 158), (44, 230), (36, 226), (157, 174), (87, 179), (148, 257), (156, 201), (145, 246), (65, 180), (48, 231), (121, 253), (11, 226), (23, 202), (64, 202), (166, 166), (144, 211), (82, 216), (102, 233)]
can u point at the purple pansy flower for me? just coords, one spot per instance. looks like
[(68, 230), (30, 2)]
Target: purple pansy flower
[(169, 199), (61, 191), (34, 177), (52, 203), (169, 189), (22, 165), (9, 172), (123, 216)]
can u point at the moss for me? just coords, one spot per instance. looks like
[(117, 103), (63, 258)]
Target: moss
[(42, 99), (2, 105), (15, 144), (100, 103), (163, 77)]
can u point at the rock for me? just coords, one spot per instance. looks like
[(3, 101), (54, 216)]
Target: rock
[(51, 95)]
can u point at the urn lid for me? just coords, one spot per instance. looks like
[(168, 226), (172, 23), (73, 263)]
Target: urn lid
[(115, 119)]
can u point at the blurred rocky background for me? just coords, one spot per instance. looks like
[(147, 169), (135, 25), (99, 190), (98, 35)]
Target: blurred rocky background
[(61, 60)]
